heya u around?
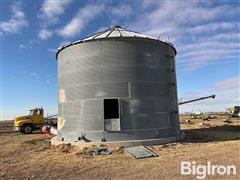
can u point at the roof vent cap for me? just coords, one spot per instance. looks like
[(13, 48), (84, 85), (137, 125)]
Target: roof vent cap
[(116, 26)]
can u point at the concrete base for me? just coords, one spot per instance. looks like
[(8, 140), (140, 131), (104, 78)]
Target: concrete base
[(146, 142)]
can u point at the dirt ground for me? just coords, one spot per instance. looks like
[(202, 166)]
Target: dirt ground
[(33, 157)]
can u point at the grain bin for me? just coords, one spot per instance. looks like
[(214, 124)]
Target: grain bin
[(117, 85)]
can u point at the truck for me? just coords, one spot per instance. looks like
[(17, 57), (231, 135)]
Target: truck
[(34, 121), (196, 115), (201, 115), (233, 111)]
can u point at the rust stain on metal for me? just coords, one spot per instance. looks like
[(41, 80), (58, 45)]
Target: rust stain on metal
[(60, 123), (62, 96)]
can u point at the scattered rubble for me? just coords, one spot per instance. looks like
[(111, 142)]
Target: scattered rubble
[(188, 121), (65, 148), (26, 156), (204, 124), (53, 130), (118, 150), (45, 129), (227, 121), (94, 150)]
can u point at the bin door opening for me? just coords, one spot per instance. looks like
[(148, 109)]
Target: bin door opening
[(111, 115), (111, 109)]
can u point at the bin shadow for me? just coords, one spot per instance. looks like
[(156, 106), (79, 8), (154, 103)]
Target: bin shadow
[(210, 134)]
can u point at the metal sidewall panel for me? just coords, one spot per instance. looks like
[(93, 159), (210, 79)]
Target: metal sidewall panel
[(138, 72)]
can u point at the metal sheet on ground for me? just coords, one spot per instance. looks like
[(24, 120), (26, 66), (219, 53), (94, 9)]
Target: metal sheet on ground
[(139, 152)]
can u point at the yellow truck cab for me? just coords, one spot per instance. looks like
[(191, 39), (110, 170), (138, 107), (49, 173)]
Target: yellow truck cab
[(31, 122)]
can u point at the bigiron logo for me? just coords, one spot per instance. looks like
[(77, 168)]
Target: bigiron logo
[(202, 171)]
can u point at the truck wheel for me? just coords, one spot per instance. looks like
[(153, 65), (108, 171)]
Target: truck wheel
[(27, 129)]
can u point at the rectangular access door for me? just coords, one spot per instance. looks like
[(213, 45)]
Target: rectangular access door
[(111, 115)]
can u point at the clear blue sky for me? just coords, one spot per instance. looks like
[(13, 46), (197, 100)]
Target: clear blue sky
[(205, 34)]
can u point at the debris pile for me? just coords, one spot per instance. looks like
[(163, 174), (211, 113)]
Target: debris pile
[(46, 129), (227, 120), (188, 121), (65, 148), (204, 124), (94, 150), (118, 150)]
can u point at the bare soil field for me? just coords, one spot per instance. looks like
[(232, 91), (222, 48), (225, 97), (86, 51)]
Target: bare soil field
[(33, 157)]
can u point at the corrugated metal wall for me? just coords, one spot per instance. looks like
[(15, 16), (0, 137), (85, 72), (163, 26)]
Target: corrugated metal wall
[(139, 72)]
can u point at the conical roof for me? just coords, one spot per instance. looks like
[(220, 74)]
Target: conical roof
[(112, 32), (116, 31)]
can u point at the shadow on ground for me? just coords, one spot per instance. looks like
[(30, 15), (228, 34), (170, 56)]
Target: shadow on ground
[(209, 134)]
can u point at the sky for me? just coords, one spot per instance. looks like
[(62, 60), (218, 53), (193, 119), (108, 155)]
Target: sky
[(205, 34)]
